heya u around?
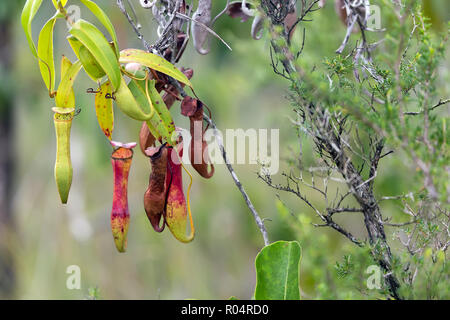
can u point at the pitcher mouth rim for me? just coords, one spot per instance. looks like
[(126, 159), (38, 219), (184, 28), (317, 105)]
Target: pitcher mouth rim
[(58, 110)]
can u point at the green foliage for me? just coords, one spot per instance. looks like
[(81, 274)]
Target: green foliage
[(277, 271), (325, 274), (93, 293), (103, 18), (344, 268), (391, 94), (45, 53), (100, 49), (29, 12)]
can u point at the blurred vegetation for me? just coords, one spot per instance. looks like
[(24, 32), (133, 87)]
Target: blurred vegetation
[(243, 92)]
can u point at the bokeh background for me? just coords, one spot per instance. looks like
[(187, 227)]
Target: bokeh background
[(40, 237)]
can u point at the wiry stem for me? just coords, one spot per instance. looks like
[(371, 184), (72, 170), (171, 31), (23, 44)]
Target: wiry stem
[(258, 220)]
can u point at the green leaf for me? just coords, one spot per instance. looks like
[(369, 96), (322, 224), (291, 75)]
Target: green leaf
[(45, 54), (161, 109), (277, 276), (65, 67), (75, 45), (156, 125), (104, 109), (127, 103), (154, 62), (63, 95), (100, 49), (63, 2), (90, 65), (28, 13), (103, 18)]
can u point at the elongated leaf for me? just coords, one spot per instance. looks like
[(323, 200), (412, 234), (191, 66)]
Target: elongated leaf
[(28, 14), (90, 65), (161, 107), (45, 54), (63, 95), (162, 111), (63, 2), (154, 62), (65, 67), (75, 44), (100, 49), (156, 125), (127, 103), (104, 109), (103, 18), (153, 130), (277, 268)]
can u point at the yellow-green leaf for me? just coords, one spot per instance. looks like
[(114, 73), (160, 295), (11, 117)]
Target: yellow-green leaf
[(103, 18), (154, 62), (104, 109), (63, 2), (28, 14), (100, 49), (65, 67), (160, 106), (156, 125), (162, 120), (45, 54), (90, 65), (127, 103), (75, 45), (63, 95)]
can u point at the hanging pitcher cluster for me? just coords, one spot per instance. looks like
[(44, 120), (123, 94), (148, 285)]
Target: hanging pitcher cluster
[(140, 84)]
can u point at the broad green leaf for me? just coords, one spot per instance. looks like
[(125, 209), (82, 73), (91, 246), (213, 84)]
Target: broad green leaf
[(277, 267), (100, 49), (104, 109), (154, 62), (28, 14), (65, 66), (103, 18), (64, 93), (45, 54)]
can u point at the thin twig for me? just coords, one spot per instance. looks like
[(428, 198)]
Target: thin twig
[(258, 220), (183, 16), (134, 24), (440, 103)]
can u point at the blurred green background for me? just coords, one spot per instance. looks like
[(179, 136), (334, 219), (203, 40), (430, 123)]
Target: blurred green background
[(40, 237)]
